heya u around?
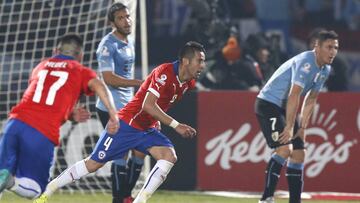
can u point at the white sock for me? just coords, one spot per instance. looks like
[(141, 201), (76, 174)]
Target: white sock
[(75, 172), (154, 180), (26, 187)]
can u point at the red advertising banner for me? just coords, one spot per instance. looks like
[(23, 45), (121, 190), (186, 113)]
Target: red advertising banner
[(232, 153)]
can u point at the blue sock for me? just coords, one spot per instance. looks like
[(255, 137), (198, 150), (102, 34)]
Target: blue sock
[(273, 171), (133, 172), (294, 176)]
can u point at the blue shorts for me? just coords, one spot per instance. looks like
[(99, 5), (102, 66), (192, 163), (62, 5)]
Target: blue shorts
[(112, 147), (26, 152)]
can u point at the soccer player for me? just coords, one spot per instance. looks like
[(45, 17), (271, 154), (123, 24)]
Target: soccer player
[(32, 132), (276, 108), (116, 57), (165, 85)]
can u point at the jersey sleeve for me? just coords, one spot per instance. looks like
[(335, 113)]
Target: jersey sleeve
[(300, 73), (87, 75), (104, 57), (159, 82)]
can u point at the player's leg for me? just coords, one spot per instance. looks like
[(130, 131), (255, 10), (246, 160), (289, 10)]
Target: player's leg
[(81, 168), (162, 150), (35, 158), (8, 153), (134, 166), (295, 169), (272, 121), (108, 147), (118, 179), (124, 175), (118, 167), (166, 158)]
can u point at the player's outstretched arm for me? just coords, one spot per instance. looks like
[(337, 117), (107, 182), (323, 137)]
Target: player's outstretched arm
[(151, 107), (99, 88), (114, 80)]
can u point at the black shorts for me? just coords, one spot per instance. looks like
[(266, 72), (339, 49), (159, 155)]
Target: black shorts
[(272, 122), (103, 116)]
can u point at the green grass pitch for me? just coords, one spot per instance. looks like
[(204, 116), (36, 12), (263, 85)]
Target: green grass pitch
[(158, 197)]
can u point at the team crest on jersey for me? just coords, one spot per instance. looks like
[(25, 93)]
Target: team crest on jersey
[(101, 155), (128, 51), (105, 51), (306, 68), (162, 79)]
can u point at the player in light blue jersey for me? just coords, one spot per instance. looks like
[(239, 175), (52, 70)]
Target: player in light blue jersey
[(276, 108), (116, 58)]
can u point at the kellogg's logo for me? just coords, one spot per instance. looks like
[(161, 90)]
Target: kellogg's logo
[(231, 147)]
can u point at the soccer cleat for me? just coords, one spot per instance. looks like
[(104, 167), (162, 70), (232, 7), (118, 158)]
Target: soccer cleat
[(4, 179), (267, 200), (128, 200), (41, 199)]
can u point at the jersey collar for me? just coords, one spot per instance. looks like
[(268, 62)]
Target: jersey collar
[(65, 57), (176, 71), (176, 67)]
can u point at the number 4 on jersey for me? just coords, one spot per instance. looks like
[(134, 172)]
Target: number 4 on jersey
[(63, 76)]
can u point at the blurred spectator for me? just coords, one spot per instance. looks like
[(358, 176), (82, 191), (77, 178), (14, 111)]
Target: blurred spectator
[(338, 78), (231, 50), (219, 71), (351, 14), (316, 13), (277, 15), (253, 68)]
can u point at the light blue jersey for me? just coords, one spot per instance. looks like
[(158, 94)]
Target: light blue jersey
[(119, 57), (300, 70)]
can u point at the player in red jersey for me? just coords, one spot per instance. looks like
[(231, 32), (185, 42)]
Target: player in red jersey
[(32, 132), (165, 85)]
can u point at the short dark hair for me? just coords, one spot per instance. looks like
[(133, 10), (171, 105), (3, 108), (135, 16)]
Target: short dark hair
[(325, 35), (70, 44), (314, 34), (188, 50), (113, 8)]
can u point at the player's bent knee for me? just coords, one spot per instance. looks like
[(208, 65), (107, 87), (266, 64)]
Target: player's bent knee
[(164, 153), (92, 165), (26, 187), (298, 156), (284, 151)]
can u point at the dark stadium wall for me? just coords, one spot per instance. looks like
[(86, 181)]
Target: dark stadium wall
[(183, 174)]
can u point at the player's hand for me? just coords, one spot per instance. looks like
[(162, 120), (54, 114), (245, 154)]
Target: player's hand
[(158, 125), (80, 114), (185, 131), (113, 124), (286, 135)]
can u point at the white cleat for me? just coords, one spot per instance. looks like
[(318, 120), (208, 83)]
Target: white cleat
[(268, 200)]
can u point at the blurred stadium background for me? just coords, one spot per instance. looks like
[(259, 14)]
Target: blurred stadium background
[(229, 144)]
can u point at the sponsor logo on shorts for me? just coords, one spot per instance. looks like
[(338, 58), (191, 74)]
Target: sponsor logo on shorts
[(101, 154)]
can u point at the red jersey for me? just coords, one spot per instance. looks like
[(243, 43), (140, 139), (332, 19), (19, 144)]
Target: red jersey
[(163, 82), (54, 88)]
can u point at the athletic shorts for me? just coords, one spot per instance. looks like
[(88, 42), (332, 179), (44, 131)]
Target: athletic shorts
[(26, 152), (112, 147), (272, 122), (103, 116)]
